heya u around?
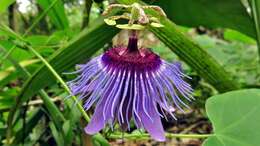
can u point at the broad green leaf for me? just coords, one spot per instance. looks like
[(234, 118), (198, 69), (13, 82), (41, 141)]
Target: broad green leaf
[(4, 4), (57, 13), (235, 118), (209, 13)]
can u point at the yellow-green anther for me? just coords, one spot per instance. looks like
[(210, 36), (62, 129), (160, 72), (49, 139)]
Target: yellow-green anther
[(110, 22), (130, 27)]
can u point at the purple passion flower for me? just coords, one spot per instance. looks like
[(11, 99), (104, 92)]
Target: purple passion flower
[(129, 83)]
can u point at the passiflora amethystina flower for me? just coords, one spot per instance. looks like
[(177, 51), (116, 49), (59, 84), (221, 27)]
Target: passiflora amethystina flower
[(128, 83)]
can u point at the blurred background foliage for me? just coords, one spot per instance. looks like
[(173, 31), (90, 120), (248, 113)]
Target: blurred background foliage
[(33, 107)]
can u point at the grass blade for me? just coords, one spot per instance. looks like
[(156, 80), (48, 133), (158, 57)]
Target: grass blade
[(30, 124)]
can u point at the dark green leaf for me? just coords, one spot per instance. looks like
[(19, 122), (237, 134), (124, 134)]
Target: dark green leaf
[(235, 118), (209, 13)]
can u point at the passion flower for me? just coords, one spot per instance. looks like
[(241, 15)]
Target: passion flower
[(130, 83)]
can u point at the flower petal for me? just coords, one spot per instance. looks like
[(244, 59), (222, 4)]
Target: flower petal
[(97, 121), (154, 127)]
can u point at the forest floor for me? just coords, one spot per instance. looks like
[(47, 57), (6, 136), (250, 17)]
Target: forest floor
[(192, 122)]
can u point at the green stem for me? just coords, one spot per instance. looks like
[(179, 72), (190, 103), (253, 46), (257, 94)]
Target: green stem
[(86, 117), (168, 135)]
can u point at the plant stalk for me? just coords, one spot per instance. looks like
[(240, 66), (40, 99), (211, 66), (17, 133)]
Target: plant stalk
[(168, 135), (57, 76)]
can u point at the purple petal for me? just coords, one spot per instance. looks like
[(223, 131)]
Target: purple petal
[(97, 121), (154, 127)]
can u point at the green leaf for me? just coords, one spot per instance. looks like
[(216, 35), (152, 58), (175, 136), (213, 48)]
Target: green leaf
[(19, 54), (255, 11), (57, 13), (235, 118), (56, 116), (56, 134), (67, 128), (233, 35), (6, 98), (4, 4), (8, 32), (209, 13)]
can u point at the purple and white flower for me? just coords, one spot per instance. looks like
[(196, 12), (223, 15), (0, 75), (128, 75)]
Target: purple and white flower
[(129, 83)]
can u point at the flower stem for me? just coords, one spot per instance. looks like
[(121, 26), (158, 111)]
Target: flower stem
[(168, 135)]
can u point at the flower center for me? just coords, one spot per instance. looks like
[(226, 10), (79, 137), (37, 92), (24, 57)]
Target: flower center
[(131, 57)]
